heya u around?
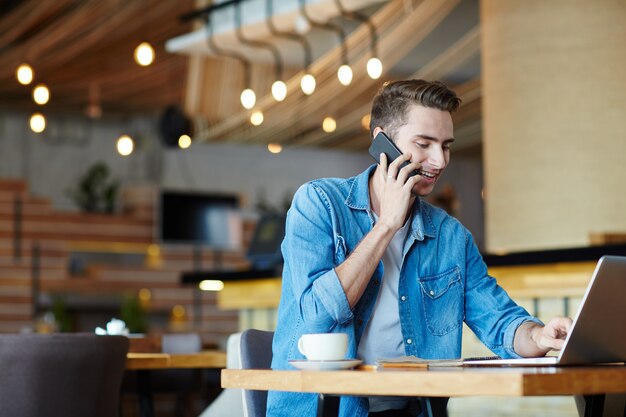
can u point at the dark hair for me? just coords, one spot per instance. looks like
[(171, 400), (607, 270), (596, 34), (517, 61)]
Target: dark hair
[(392, 101)]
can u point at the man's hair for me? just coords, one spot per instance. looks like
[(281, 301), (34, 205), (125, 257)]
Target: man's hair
[(391, 104)]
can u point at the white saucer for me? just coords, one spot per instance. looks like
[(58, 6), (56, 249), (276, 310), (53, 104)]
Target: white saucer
[(307, 365)]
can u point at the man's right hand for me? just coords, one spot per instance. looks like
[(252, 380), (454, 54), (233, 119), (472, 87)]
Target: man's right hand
[(395, 196)]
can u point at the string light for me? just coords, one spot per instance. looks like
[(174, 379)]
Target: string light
[(279, 90), (307, 84), (365, 121), (125, 145), (275, 147), (37, 123), (248, 98), (256, 118), (144, 54), (329, 124), (41, 94), (344, 73), (184, 141), (24, 74), (374, 68)]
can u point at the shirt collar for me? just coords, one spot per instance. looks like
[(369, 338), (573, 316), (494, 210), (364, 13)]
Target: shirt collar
[(359, 199)]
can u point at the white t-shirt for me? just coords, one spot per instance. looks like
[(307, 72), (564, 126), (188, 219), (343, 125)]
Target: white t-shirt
[(382, 337)]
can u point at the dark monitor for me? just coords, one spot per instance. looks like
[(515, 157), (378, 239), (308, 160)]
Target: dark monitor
[(201, 219), (264, 250)]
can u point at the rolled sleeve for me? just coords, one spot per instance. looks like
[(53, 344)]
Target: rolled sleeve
[(329, 291), (309, 250), (509, 334)]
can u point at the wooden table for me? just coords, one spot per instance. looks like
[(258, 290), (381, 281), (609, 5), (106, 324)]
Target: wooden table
[(143, 363), (206, 359), (433, 383)]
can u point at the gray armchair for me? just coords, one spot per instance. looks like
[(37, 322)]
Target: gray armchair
[(64, 375)]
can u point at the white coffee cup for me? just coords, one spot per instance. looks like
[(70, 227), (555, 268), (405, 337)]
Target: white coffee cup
[(323, 346)]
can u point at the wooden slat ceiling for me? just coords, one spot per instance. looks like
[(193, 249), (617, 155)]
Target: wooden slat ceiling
[(296, 122), (83, 51)]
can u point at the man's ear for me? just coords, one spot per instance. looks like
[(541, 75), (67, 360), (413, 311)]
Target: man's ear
[(377, 130)]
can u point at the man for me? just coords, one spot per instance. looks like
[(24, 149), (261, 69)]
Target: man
[(431, 279)]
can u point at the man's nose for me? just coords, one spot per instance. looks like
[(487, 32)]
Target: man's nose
[(437, 158)]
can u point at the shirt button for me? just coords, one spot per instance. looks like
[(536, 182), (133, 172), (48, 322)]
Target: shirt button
[(403, 298), (432, 292), (409, 341)]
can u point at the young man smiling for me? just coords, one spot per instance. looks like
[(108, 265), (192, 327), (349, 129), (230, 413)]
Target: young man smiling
[(368, 257)]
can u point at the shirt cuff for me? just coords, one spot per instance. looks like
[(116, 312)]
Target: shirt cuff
[(509, 335), (329, 291)]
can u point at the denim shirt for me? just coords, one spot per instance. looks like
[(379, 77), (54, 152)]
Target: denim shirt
[(443, 283)]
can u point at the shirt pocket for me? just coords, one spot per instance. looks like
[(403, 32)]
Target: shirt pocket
[(442, 301)]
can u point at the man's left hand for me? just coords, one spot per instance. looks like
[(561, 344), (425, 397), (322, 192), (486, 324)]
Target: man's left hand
[(552, 335)]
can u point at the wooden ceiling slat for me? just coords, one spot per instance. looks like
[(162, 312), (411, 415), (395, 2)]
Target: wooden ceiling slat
[(48, 38), (28, 13), (87, 45)]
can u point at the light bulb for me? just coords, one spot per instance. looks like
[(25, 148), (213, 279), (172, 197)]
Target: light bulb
[(274, 147), (125, 145), (211, 285), (24, 74), (307, 84), (37, 123), (374, 68), (144, 54), (248, 98), (184, 141), (329, 124), (256, 118), (279, 90), (365, 121), (41, 94), (344, 73)]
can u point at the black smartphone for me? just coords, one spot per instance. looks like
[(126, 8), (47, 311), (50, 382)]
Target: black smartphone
[(382, 144)]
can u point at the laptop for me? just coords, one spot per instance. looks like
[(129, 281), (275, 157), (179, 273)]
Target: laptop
[(263, 253), (597, 334)]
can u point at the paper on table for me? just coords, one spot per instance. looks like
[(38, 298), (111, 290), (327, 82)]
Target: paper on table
[(415, 362)]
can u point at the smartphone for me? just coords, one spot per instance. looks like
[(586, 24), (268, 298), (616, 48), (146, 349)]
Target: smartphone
[(382, 144)]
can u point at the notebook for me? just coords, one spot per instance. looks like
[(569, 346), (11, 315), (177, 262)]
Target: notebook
[(597, 334)]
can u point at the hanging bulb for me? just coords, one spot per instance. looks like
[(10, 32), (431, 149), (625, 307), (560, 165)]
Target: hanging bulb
[(248, 98), (374, 68), (365, 121), (37, 123), (125, 145), (307, 84), (279, 90), (184, 141), (41, 94), (144, 54), (329, 124), (344, 73), (256, 118), (275, 147), (24, 74)]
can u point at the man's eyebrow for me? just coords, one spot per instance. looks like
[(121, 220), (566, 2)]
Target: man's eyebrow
[(431, 138)]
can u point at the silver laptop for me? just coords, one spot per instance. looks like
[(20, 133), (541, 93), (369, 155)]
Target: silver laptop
[(597, 334)]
